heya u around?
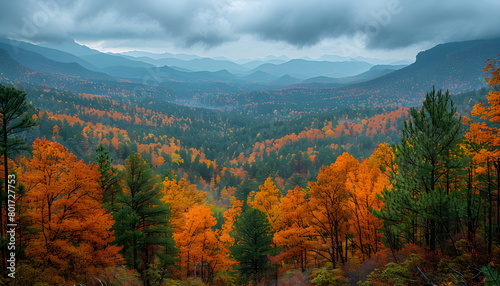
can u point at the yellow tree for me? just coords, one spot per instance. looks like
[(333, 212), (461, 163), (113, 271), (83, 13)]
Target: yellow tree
[(267, 200), (181, 196), (329, 209), (383, 158), (63, 203), (196, 240)]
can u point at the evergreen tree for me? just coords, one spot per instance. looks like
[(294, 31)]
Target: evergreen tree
[(110, 179), (424, 203), (142, 225), (13, 120), (253, 239)]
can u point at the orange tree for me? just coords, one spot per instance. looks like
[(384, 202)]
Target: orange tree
[(329, 209), (71, 235)]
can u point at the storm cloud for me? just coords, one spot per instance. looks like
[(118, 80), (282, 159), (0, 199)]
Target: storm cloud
[(381, 24)]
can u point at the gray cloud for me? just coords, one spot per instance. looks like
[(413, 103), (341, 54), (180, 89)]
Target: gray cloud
[(444, 21), (383, 24), (300, 23), (185, 22)]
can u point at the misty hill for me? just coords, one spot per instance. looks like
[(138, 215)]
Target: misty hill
[(38, 62), (203, 64), (207, 64), (307, 69), (156, 75), (49, 53), (456, 67), (154, 56), (260, 76), (286, 80), (373, 72), (196, 63), (94, 57), (12, 70), (256, 63), (373, 61), (102, 60)]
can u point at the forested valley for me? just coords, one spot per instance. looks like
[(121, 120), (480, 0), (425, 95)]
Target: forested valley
[(137, 190)]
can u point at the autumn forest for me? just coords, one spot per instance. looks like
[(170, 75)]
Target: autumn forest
[(114, 188)]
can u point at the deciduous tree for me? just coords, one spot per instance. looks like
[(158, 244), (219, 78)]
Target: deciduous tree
[(296, 234), (181, 196), (72, 235), (267, 200), (196, 240), (365, 183), (329, 210), (224, 234)]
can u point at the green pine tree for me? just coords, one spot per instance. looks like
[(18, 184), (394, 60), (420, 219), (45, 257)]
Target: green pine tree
[(253, 239), (14, 119), (110, 177), (424, 206), (142, 225)]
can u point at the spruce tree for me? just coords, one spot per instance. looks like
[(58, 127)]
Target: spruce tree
[(110, 178), (424, 202), (253, 239), (142, 226)]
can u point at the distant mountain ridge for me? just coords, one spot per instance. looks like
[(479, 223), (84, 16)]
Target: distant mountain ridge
[(49, 53), (38, 62), (95, 57), (349, 84), (97, 65), (306, 69), (456, 67), (373, 72)]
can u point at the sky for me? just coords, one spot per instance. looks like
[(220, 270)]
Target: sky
[(235, 29)]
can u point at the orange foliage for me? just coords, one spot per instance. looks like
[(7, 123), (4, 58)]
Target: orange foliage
[(224, 235), (329, 209), (196, 240), (365, 183), (63, 203), (267, 200), (486, 135), (238, 172), (181, 196), (226, 195), (296, 234)]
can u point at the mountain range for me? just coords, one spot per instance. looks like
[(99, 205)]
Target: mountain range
[(345, 83)]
